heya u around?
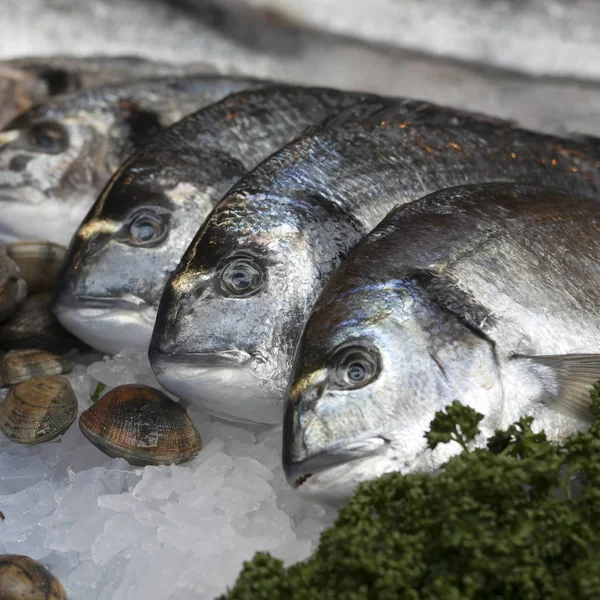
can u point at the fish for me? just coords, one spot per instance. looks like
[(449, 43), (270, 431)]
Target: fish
[(26, 82), (13, 288), (56, 158), (485, 294), (139, 227), (231, 313)]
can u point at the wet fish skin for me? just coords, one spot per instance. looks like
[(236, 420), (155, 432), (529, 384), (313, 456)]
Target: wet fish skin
[(26, 82), (443, 301), (56, 158), (295, 217), (174, 181), (13, 288)]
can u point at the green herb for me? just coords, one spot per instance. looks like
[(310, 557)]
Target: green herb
[(97, 392), (519, 519)]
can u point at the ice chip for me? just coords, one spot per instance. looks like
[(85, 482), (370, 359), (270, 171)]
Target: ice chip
[(120, 532)]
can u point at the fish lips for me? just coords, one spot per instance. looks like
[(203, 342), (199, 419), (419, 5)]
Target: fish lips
[(197, 362), (108, 324), (127, 302), (221, 383), (335, 461)]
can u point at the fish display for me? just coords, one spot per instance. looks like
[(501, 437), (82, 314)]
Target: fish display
[(25, 82), (56, 158), (140, 226), (232, 312), (485, 294)]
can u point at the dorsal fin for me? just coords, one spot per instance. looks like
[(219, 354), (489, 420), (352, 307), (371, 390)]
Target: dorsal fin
[(381, 109)]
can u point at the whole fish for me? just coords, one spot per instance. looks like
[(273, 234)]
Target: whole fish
[(25, 82), (141, 224), (484, 294), (249, 279), (56, 158)]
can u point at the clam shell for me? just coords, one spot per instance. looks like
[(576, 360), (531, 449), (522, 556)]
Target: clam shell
[(13, 288), (34, 326), (38, 410), (39, 262), (22, 578), (17, 366), (141, 425)]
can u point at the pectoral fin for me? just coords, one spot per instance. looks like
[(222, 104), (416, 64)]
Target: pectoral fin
[(575, 375)]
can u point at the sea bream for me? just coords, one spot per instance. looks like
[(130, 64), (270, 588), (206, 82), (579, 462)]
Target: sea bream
[(56, 158), (483, 294), (25, 82), (232, 312), (140, 226)]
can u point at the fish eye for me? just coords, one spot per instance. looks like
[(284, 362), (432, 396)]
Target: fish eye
[(242, 277), (356, 365), (50, 138), (146, 228)]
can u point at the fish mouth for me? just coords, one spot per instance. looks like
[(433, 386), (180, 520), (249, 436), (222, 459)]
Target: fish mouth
[(334, 463), (193, 364), (20, 194), (108, 325), (221, 383), (82, 302)]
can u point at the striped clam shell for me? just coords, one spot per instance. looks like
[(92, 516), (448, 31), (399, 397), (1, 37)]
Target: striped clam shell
[(38, 410)]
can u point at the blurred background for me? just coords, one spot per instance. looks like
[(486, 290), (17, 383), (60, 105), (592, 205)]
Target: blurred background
[(535, 59)]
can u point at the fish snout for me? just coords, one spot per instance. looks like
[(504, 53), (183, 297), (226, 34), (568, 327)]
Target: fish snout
[(7, 136), (299, 465), (221, 383), (297, 418), (191, 361)]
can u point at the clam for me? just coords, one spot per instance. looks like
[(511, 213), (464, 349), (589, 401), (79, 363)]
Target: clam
[(141, 425), (13, 288), (34, 326), (17, 366), (22, 578), (38, 410), (39, 263)]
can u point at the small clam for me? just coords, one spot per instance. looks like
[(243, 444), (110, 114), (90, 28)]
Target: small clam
[(38, 410), (141, 425), (22, 578), (39, 263), (13, 288), (17, 366), (34, 326)]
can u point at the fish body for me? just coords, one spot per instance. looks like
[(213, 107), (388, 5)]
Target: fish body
[(56, 158), (484, 294), (248, 281), (13, 288), (25, 82), (111, 284)]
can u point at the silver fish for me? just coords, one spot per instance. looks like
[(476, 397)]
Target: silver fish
[(13, 288), (25, 82), (140, 226), (484, 294), (56, 158), (232, 312)]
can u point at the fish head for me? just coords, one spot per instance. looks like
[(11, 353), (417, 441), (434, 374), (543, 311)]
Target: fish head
[(375, 362), (54, 160), (112, 279), (232, 312), (18, 91)]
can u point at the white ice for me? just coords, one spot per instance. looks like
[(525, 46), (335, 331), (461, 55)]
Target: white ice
[(112, 531)]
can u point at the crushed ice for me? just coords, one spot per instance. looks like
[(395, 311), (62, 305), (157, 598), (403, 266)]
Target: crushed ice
[(108, 530)]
